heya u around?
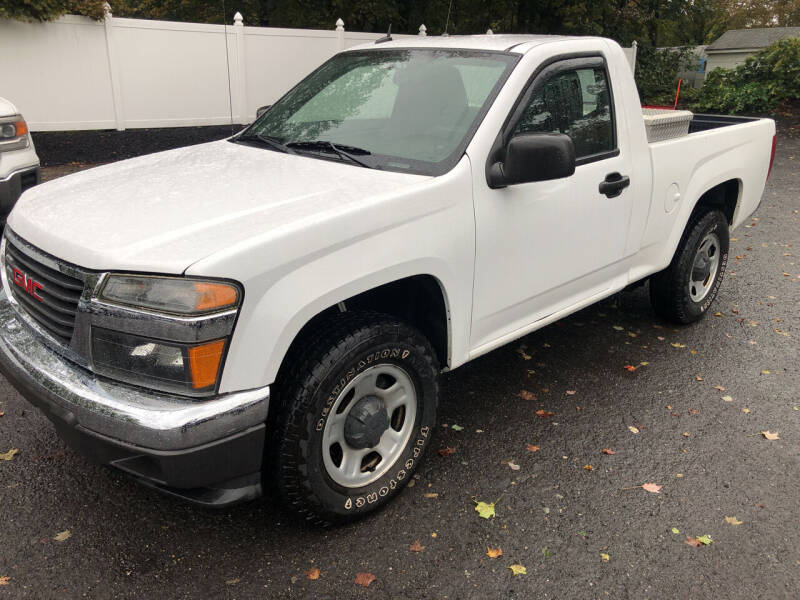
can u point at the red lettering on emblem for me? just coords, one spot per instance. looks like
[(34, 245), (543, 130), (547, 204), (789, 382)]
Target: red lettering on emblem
[(30, 285)]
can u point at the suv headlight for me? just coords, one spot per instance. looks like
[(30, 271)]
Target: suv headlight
[(162, 359), (13, 133)]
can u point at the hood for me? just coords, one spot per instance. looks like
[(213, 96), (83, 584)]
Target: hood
[(163, 212), (6, 108)]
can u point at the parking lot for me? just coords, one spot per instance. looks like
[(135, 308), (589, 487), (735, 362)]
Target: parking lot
[(681, 408)]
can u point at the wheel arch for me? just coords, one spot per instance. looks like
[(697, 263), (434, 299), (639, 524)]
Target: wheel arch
[(419, 300), (723, 196)]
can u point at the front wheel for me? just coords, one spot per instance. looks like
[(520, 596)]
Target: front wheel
[(358, 410), (684, 291)]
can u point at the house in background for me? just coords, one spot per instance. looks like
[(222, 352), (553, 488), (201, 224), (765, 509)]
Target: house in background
[(733, 47)]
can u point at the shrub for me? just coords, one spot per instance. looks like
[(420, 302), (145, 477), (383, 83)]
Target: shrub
[(657, 73), (766, 79), (47, 10)]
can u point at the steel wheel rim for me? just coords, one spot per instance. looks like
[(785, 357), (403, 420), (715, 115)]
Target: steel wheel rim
[(704, 268), (352, 467)]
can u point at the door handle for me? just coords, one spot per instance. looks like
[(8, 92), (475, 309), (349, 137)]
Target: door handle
[(613, 184)]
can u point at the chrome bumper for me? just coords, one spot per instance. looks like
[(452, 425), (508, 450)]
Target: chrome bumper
[(115, 410)]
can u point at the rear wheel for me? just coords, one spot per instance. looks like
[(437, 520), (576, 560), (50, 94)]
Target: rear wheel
[(684, 291), (358, 409)]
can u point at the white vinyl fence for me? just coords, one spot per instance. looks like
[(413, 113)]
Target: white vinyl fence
[(75, 73)]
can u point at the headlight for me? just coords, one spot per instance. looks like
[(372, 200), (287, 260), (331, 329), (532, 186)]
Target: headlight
[(13, 133), (157, 364), (176, 295)]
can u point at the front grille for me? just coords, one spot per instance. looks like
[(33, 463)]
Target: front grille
[(59, 293)]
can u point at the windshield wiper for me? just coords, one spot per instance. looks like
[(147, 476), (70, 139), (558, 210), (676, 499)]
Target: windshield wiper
[(267, 141), (338, 149)]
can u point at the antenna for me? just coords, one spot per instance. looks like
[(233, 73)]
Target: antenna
[(387, 37), (447, 23), (227, 65)]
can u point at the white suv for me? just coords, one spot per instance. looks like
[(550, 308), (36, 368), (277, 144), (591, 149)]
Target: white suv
[(19, 165)]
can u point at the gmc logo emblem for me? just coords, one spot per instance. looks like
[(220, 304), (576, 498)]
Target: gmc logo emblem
[(28, 284)]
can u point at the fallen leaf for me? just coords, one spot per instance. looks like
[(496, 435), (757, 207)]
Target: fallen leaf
[(694, 411), (533, 448), (588, 467), (728, 398), (447, 451), (633, 429), (618, 328), (604, 557), (675, 530), (456, 427), (526, 395), (770, 436), (644, 363), (607, 451), (431, 495), (630, 368), (312, 573), (513, 466), (677, 345), (652, 488), (631, 334), (364, 579), (661, 338), (693, 542), (544, 413), (10, 454), (416, 547), (704, 539), (719, 387), (686, 434), (235, 581), (485, 510), (4, 580), (764, 372), (518, 570), (494, 552), (64, 535), (547, 552), (733, 521), (523, 354), (698, 378), (719, 314), (571, 392), (745, 410)]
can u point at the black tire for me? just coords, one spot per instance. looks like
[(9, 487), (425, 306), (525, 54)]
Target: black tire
[(670, 292), (345, 346)]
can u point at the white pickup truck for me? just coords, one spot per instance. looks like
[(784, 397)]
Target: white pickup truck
[(275, 308), (19, 165)]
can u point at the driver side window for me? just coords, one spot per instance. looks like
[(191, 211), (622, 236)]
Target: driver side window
[(576, 103)]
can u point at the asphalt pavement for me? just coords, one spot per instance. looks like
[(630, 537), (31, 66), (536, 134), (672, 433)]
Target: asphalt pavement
[(576, 518)]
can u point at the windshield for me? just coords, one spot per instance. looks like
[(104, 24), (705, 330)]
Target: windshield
[(401, 110)]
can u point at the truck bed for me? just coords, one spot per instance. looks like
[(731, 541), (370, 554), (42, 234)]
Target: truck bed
[(706, 122)]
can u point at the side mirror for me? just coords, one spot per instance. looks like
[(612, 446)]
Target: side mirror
[(534, 157), (262, 109)]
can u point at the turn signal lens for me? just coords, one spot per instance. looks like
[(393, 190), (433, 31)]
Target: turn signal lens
[(22, 128), (204, 363), (213, 295)]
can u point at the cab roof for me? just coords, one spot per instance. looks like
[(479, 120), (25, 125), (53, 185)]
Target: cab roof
[(497, 42)]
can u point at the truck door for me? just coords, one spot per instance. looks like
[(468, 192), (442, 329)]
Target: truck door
[(544, 246)]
